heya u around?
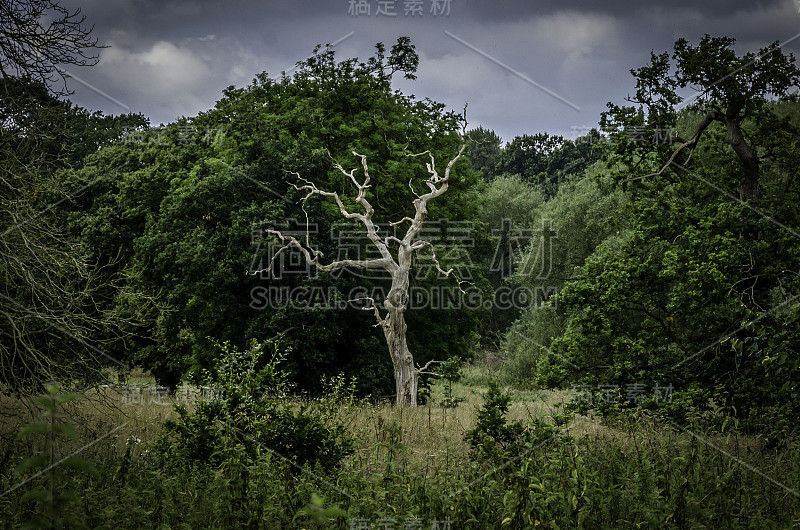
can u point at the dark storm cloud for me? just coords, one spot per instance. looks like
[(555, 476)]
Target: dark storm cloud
[(515, 9), (515, 62), (148, 19)]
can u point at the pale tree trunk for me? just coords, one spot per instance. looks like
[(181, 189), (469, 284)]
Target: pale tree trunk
[(393, 323), (394, 327), (405, 374)]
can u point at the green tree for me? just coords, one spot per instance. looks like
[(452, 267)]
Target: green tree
[(508, 208), (730, 89), (546, 160), (527, 155), (485, 152), (188, 214), (55, 325), (583, 215), (253, 412), (701, 292)]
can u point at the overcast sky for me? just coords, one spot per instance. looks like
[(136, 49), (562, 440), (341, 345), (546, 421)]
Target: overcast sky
[(522, 66)]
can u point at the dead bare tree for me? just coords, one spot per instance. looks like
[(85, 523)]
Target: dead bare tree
[(37, 36), (54, 324), (396, 259)]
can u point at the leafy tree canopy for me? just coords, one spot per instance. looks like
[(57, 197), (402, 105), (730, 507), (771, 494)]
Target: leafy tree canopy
[(700, 293), (188, 202)]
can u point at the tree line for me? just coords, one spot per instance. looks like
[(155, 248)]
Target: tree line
[(658, 249)]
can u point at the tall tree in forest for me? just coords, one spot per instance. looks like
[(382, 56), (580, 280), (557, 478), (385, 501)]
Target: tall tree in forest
[(730, 90), (699, 291), (396, 259), (485, 152), (50, 291)]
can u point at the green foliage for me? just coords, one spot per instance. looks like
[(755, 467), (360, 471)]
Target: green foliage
[(546, 160), (528, 155), (50, 133), (53, 498), (184, 218), (507, 205), (629, 472), (253, 416), (485, 152), (51, 284), (700, 292), (498, 441), (584, 216), (661, 280), (317, 514), (510, 197), (450, 371)]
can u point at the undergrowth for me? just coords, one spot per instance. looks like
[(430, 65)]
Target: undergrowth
[(541, 471)]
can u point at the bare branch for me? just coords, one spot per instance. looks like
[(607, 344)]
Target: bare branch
[(419, 245), (401, 221), (382, 322), (314, 256), (393, 323), (369, 211), (31, 49), (421, 202), (421, 370), (691, 144)]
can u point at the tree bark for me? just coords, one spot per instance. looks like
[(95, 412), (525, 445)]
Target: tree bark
[(749, 178), (406, 375)]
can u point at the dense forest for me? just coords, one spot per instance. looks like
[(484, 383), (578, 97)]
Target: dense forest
[(604, 329)]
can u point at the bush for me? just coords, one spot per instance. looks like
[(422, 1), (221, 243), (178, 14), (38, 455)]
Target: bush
[(253, 413), (495, 440)]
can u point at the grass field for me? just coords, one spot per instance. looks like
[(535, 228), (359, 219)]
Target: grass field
[(413, 466)]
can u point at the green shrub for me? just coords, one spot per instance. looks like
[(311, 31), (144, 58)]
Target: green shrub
[(450, 370), (495, 439), (253, 412), (50, 492)]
